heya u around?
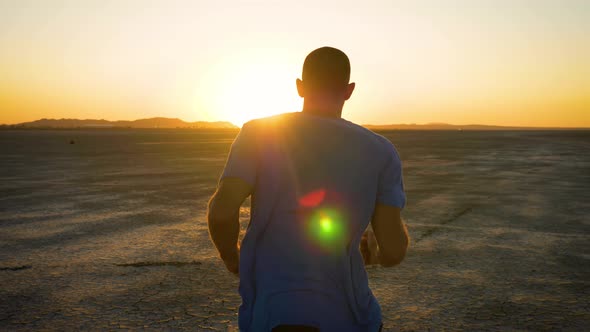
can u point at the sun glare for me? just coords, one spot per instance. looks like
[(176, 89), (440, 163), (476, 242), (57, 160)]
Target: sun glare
[(248, 90)]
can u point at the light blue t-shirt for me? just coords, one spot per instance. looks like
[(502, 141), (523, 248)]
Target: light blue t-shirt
[(316, 182)]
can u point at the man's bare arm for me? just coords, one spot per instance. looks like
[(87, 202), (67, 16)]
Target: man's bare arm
[(223, 219), (391, 234)]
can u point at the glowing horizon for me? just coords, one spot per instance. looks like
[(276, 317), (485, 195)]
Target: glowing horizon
[(455, 61)]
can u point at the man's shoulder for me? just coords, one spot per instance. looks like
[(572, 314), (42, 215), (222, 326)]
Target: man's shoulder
[(376, 138), (267, 122), (381, 143)]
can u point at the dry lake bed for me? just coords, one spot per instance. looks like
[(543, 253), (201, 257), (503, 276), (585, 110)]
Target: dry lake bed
[(110, 233)]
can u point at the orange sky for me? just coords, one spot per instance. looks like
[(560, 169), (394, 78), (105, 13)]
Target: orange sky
[(500, 62)]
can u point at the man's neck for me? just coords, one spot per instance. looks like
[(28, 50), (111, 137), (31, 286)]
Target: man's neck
[(329, 111)]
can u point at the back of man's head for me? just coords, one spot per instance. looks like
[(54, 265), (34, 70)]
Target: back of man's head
[(326, 70)]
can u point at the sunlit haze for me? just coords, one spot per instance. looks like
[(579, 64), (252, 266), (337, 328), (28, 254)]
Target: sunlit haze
[(501, 62)]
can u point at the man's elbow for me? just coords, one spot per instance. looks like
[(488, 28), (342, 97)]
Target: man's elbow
[(218, 213), (392, 259), (215, 217), (395, 256)]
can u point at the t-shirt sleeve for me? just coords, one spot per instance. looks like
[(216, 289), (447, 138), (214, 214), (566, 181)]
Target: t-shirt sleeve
[(391, 183), (242, 159)]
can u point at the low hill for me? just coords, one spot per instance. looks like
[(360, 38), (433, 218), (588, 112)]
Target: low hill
[(141, 123), (444, 126), (160, 122)]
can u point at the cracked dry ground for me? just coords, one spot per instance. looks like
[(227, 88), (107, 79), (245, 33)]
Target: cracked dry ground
[(110, 233)]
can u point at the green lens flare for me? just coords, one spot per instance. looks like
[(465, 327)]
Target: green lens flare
[(326, 225), (327, 229)]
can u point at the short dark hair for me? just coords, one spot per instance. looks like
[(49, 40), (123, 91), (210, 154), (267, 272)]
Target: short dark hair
[(326, 69)]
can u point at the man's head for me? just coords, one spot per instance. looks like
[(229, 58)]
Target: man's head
[(325, 77)]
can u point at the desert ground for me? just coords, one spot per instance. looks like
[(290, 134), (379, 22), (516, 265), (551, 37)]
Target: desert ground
[(110, 232)]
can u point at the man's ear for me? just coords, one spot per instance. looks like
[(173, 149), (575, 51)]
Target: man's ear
[(300, 88), (349, 90)]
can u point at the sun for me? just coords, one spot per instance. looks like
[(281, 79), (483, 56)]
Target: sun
[(245, 90)]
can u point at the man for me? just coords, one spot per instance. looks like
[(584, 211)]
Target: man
[(316, 181)]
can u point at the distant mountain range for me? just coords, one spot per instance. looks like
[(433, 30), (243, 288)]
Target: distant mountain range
[(446, 126), (177, 123), (141, 123)]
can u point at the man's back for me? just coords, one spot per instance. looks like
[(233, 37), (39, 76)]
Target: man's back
[(316, 181)]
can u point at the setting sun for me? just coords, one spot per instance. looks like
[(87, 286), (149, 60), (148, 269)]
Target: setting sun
[(251, 86)]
